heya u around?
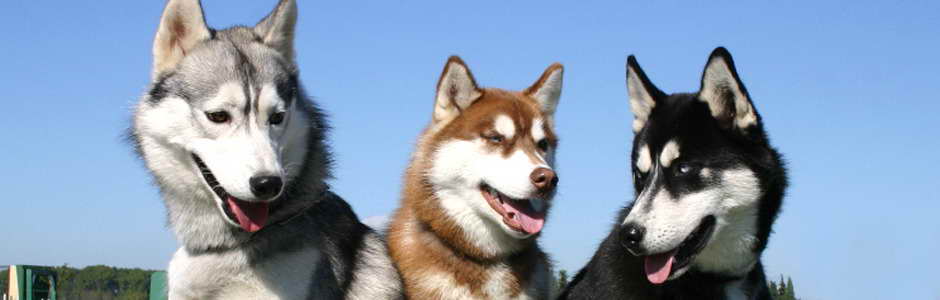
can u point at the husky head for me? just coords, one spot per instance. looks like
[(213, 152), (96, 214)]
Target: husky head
[(708, 184), (489, 160), (225, 128)]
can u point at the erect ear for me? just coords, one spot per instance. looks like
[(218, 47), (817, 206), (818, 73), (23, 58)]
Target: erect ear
[(182, 27), (547, 90), (277, 29), (456, 90), (643, 94), (725, 94)]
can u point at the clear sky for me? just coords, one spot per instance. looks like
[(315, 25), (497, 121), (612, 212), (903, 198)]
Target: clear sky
[(848, 90)]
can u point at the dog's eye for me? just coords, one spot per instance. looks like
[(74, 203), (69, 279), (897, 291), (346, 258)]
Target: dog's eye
[(218, 116), (494, 138), (685, 168), (542, 144), (638, 177), (276, 118)]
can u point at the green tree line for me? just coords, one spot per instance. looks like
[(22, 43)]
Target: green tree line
[(98, 283), (110, 283), (782, 290)]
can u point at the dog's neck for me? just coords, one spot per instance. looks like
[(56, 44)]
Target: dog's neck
[(428, 246), (431, 265), (715, 286), (694, 284)]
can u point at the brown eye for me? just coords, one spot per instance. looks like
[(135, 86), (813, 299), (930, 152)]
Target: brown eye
[(276, 118), (218, 116), (542, 144)]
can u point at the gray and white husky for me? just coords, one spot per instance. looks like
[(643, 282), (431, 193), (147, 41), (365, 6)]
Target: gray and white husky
[(238, 153)]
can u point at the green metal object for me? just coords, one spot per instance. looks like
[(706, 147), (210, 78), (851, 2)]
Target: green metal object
[(158, 286), (32, 283)]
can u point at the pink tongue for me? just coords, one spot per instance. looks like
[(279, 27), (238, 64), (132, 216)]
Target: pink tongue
[(658, 266), (251, 216), (530, 220)]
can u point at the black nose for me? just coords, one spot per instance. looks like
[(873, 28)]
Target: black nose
[(265, 186), (630, 236)]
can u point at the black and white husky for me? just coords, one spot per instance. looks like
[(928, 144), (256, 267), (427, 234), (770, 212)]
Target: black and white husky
[(708, 188), (238, 153)]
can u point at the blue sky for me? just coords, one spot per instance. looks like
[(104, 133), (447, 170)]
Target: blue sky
[(848, 91)]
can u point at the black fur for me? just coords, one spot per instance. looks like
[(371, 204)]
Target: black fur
[(613, 272), (335, 229), (159, 90)]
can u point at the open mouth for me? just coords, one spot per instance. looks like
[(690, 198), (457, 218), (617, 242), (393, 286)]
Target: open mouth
[(250, 216), (660, 266), (522, 215)]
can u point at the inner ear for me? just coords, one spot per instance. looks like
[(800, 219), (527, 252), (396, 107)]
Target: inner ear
[(456, 90), (182, 27), (277, 29), (547, 89), (642, 93), (725, 94)]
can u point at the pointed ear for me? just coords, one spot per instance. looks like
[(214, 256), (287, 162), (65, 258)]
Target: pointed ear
[(182, 27), (725, 94), (277, 29), (643, 94), (456, 90), (547, 90)]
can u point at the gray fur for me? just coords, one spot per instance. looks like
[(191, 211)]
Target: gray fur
[(313, 245)]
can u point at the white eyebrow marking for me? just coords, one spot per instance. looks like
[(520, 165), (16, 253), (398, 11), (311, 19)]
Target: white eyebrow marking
[(670, 153), (643, 160), (504, 126), (538, 132), (706, 172)]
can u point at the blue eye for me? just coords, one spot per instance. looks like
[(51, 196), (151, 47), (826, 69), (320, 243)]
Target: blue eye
[(494, 138), (685, 168)]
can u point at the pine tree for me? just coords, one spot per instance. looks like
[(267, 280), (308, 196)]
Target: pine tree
[(782, 288), (562, 280), (773, 290), (791, 295)]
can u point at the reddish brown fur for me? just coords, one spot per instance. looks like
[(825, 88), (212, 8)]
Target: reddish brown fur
[(438, 245)]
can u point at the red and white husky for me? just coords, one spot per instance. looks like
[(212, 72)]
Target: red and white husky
[(477, 192)]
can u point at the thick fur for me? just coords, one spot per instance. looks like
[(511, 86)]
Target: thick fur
[(312, 245), (695, 156), (445, 240)]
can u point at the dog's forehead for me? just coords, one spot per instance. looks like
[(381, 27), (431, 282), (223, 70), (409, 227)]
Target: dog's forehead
[(679, 126), (223, 61), (501, 111), (679, 116), (645, 154), (504, 111)]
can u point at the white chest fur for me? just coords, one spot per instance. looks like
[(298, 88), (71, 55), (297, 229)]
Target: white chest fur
[(495, 287), (229, 276)]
